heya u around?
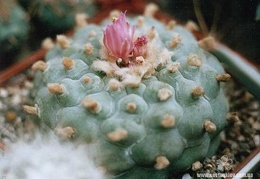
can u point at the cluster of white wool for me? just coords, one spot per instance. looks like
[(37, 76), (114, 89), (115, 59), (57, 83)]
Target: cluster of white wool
[(132, 76), (47, 157)]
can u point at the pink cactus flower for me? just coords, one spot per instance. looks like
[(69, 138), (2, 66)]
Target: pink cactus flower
[(140, 46), (118, 38)]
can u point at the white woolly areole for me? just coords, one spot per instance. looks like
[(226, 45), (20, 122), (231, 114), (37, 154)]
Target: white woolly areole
[(47, 158)]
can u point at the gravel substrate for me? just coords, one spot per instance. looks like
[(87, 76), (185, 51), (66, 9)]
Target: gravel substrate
[(239, 139), (14, 122)]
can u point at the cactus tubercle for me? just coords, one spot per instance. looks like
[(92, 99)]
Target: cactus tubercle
[(223, 77), (91, 105), (63, 41), (117, 135), (131, 107), (197, 92), (209, 126), (39, 65), (168, 121), (68, 63), (56, 88), (161, 163), (66, 132), (164, 94), (30, 109)]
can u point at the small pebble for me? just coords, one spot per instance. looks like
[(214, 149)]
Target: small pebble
[(257, 140), (10, 116), (3, 93), (16, 100), (28, 85), (2, 106)]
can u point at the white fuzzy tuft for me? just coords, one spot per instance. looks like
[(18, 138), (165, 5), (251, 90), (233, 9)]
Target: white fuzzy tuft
[(108, 67), (145, 65), (47, 157)]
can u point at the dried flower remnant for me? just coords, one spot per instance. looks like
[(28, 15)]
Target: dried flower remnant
[(140, 46)]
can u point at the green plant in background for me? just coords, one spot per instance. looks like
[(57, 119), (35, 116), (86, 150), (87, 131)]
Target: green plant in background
[(221, 17), (257, 14), (147, 99), (57, 16), (14, 27), (237, 65)]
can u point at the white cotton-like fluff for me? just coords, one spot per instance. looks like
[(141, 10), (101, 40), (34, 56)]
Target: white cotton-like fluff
[(47, 158)]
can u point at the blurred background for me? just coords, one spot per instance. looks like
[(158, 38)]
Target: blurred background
[(236, 23)]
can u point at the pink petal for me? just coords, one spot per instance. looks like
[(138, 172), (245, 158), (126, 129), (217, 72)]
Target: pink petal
[(118, 37)]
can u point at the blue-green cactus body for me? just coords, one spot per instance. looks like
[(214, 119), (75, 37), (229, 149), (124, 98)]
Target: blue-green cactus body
[(58, 16), (14, 27), (161, 125)]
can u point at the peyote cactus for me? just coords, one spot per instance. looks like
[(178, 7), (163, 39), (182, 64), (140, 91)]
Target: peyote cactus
[(147, 99), (14, 27), (57, 16)]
